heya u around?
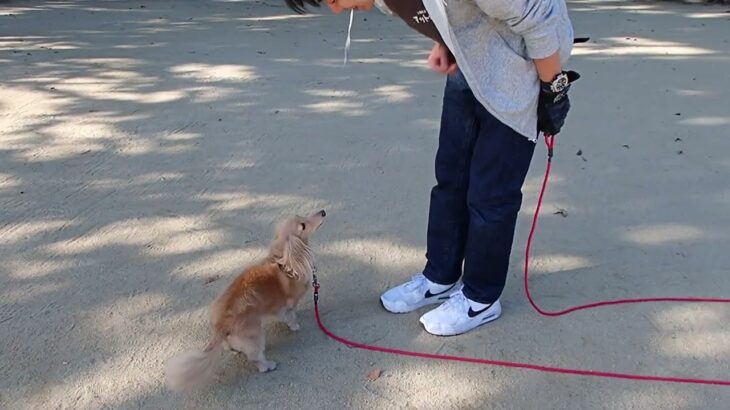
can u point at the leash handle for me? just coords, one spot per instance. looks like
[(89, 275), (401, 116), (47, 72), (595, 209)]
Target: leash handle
[(550, 143)]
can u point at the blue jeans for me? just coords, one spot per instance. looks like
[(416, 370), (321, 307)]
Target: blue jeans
[(481, 165)]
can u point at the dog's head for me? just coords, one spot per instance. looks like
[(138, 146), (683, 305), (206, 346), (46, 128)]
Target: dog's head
[(290, 247)]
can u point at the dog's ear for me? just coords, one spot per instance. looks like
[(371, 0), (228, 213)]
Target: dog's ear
[(296, 256)]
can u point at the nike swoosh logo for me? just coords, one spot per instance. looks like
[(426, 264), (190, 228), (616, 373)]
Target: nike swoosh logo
[(430, 295), (473, 314)]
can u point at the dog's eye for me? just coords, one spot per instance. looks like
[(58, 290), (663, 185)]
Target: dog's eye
[(302, 226)]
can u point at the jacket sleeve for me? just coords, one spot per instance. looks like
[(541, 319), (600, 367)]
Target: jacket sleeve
[(534, 20)]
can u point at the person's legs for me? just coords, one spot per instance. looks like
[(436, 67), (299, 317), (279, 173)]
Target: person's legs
[(499, 166), (448, 218), (448, 214)]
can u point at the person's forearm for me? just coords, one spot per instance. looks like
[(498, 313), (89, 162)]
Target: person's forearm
[(548, 68)]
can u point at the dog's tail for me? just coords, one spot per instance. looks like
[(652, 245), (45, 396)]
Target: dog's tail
[(190, 368)]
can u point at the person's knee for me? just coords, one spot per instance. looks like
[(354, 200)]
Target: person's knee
[(494, 208), (451, 173)]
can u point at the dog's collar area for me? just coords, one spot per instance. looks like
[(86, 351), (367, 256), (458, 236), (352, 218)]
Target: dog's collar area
[(290, 272), (286, 269)]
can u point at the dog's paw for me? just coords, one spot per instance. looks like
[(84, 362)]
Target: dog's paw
[(294, 326), (266, 366)]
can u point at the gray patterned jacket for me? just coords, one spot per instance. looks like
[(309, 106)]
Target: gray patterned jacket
[(494, 44)]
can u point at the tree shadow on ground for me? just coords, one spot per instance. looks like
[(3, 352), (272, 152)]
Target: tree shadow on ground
[(147, 150)]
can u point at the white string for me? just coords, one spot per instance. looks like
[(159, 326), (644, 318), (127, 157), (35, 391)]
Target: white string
[(347, 43)]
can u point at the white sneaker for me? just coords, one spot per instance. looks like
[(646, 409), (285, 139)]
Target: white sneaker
[(414, 294), (459, 315)]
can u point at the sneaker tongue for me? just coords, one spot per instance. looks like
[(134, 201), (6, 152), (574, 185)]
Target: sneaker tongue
[(457, 302), (415, 282)]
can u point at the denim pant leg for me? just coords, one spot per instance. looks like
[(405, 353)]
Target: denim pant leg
[(499, 165), (448, 218)]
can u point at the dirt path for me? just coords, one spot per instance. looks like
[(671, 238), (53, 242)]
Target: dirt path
[(147, 147)]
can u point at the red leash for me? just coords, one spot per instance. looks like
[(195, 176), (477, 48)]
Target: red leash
[(550, 142)]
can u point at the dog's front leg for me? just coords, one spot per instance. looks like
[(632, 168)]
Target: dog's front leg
[(289, 316), (293, 323)]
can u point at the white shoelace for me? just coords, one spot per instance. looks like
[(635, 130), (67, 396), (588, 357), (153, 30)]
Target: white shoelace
[(457, 302), (417, 281)]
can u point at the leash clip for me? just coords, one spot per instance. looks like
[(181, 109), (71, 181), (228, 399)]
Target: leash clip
[(315, 286)]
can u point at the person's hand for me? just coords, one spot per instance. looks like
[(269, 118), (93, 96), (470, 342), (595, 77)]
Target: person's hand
[(554, 104), (440, 60)]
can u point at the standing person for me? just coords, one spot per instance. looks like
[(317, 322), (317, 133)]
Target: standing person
[(505, 85)]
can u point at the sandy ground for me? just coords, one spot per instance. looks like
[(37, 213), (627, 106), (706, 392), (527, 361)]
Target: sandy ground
[(146, 147)]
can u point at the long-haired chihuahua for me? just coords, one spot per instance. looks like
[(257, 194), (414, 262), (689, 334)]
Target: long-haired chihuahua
[(272, 287)]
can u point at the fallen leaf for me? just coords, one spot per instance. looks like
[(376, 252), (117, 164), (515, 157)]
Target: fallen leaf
[(562, 212), (374, 374), (626, 146), (579, 153)]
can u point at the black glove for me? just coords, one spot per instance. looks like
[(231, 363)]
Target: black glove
[(554, 104)]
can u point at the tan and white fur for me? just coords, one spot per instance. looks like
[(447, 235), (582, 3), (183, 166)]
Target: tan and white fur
[(270, 288)]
